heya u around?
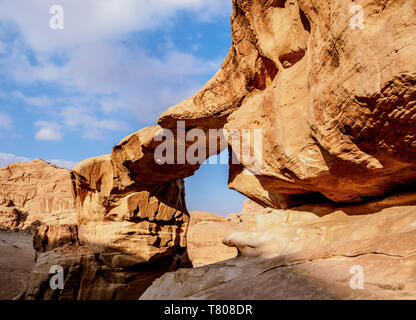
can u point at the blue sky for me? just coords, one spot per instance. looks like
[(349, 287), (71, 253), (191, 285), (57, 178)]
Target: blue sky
[(67, 95)]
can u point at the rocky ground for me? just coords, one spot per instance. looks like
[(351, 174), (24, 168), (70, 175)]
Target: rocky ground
[(17, 259), (312, 252), (205, 235), (207, 232)]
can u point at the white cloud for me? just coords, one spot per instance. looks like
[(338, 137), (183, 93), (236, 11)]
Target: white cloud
[(40, 101), (86, 20), (91, 126), (135, 81), (8, 158), (49, 131), (5, 121), (97, 64), (129, 80), (17, 65), (63, 163)]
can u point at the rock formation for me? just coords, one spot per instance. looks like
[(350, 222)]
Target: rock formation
[(337, 109), (330, 99), (130, 228), (311, 252), (207, 231), (249, 213), (57, 235), (34, 193)]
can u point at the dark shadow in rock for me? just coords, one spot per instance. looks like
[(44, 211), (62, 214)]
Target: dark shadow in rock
[(90, 275)]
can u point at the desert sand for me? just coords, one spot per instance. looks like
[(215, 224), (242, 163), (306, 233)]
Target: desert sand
[(17, 258)]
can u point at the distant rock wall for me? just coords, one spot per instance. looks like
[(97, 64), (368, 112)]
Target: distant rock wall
[(34, 193), (205, 234)]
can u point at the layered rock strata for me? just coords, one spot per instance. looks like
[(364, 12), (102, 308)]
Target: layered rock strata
[(129, 231), (35, 193), (336, 107)]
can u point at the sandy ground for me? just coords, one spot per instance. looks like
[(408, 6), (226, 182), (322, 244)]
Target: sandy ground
[(17, 258), (205, 235)]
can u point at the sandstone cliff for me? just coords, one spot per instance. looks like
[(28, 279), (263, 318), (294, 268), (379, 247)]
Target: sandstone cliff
[(336, 105), (118, 245), (34, 193), (57, 234)]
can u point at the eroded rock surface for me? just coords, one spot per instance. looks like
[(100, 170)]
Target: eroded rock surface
[(17, 258), (207, 231), (129, 230), (148, 221), (34, 193), (311, 253), (337, 110), (249, 213), (330, 99)]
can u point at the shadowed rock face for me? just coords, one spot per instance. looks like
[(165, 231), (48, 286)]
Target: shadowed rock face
[(90, 274)]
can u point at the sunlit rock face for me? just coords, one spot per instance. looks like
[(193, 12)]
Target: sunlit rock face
[(128, 233), (336, 103), (33, 193), (330, 99), (36, 186), (119, 214)]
